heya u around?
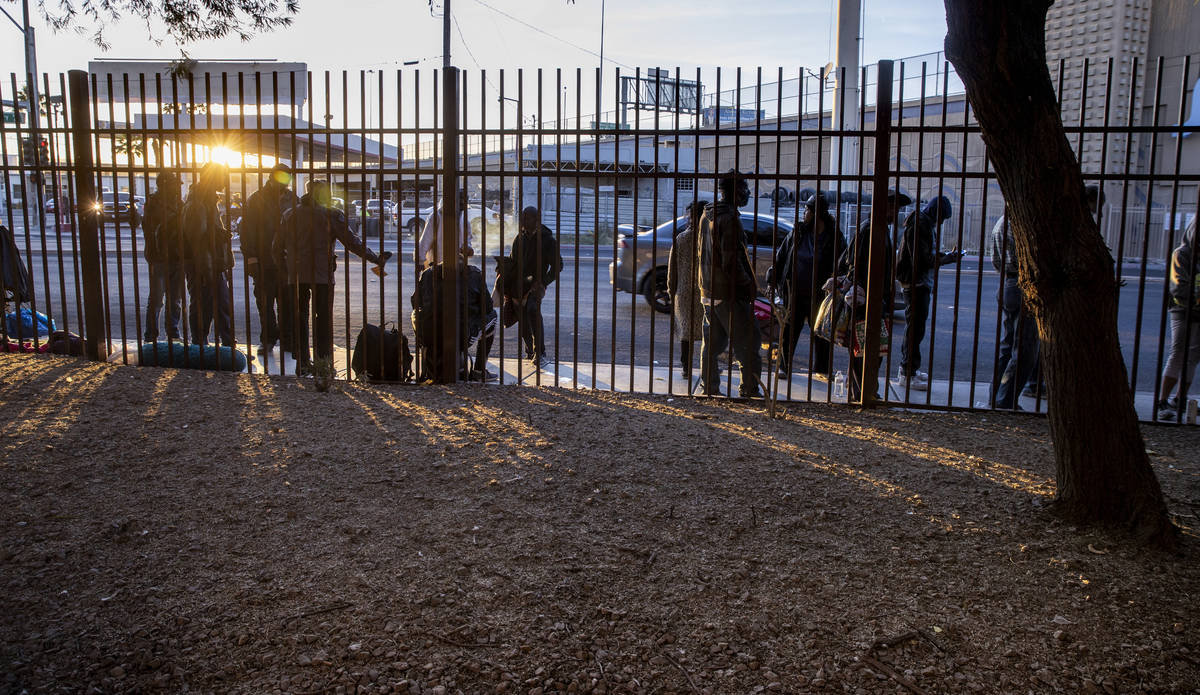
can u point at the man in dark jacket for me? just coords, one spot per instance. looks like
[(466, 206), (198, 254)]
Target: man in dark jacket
[(806, 258), (535, 253), (304, 247), (728, 289), (477, 322), (261, 218), (160, 231), (918, 261), (208, 258), (856, 265)]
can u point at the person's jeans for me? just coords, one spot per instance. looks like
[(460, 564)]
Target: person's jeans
[(319, 299), (166, 294), (274, 307), (211, 301), (531, 327), (731, 321), (916, 315), (1018, 345), (801, 309)]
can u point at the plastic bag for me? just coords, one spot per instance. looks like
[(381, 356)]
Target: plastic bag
[(26, 324), (832, 318)]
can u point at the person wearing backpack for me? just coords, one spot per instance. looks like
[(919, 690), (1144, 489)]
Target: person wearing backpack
[(915, 267), (261, 220), (208, 259), (160, 230), (304, 246), (1183, 309)]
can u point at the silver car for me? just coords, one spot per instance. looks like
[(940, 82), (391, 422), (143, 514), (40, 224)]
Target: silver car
[(641, 263)]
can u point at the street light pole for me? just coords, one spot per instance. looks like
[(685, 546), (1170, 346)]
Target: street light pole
[(445, 33), (35, 105)]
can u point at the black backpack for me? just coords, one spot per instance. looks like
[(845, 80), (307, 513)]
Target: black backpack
[(379, 348)]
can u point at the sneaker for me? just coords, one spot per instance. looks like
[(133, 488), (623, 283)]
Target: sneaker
[(784, 373), (264, 348), (1167, 410), (481, 375), (1032, 391), (821, 376), (916, 382), (541, 362)]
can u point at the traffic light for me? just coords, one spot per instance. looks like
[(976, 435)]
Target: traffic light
[(44, 152), (27, 150)]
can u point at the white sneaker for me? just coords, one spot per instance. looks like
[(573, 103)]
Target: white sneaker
[(915, 383)]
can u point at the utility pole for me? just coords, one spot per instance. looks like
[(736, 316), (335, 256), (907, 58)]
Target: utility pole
[(35, 106), (445, 33), (843, 159)]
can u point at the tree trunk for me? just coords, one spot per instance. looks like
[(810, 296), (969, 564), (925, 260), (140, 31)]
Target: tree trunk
[(1104, 476)]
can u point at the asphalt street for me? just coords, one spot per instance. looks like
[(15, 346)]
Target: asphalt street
[(585, 319)]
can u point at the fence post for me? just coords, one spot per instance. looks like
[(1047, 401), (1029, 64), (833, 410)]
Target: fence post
[(86, 222), (448, 241), (876, 275)]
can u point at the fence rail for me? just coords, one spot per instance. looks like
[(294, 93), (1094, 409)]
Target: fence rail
[(609, 194)]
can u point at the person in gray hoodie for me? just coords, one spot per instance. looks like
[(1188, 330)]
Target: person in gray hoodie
[(1183, 308), (727, 290)]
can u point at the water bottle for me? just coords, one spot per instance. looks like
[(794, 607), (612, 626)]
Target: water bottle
[(839, 385)]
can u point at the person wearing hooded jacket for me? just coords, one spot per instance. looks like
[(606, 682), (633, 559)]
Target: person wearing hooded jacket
[(261, 221), (855, 264), (208, 260), (161, 236), (304, 247), (727, 290), (915, 267), (1183, 309), (806, 258)]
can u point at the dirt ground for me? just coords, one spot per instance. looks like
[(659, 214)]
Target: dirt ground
[(170, 531)]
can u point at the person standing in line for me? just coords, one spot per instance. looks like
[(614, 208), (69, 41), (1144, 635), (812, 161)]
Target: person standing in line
[(1183, 307), (806, 258), (304, 247), (429, 247), (856, 265), (728, 289), (536, 257), (209, 262), (1019, 339), (919, 259), (681, 284), (261, 219), (160, 231)]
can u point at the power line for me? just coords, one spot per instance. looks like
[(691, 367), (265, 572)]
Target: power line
[(467, 46), (546, 33)]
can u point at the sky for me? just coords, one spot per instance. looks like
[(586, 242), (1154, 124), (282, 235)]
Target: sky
[(382, 34), (362, 35)]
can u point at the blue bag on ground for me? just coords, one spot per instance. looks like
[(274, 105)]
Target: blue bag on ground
[(27, 323), (172, 354)]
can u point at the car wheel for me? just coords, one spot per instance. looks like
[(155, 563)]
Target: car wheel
[(414, 226), (654, 289)]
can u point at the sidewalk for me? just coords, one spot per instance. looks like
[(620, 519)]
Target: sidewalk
[(659, 379)]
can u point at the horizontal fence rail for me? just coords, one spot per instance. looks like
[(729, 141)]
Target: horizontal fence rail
[(614, 187)]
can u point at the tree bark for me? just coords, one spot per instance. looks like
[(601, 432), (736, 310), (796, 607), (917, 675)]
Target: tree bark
[(1103, 473)]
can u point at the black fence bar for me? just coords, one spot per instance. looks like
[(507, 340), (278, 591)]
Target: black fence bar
[(613, 185)]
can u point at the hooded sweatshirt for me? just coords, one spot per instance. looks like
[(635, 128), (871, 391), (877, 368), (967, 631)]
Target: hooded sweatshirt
[(725, 269)]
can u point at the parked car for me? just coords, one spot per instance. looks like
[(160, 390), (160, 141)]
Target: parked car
[(374, 205), (413, 221), (644, 272), (116, 207)]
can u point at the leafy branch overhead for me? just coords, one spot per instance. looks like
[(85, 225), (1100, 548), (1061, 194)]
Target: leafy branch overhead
[(186, 21)]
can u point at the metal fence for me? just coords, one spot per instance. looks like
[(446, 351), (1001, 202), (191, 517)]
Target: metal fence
[(609, 192)]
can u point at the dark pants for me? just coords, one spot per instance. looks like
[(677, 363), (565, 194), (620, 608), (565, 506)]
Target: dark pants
[(686, 352), (1018, 346), (801, 309), (731, 322), (211, 302), (530, 326), (166, 294), (318, 299), (274, 307), (916, 315)]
